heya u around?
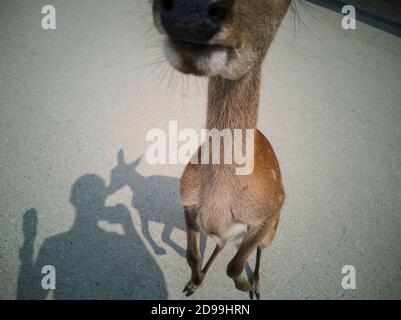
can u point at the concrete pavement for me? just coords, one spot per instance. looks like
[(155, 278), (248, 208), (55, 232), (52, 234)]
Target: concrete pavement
[(72, 98)]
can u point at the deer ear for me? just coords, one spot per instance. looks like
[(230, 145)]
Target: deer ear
[(120, 157)]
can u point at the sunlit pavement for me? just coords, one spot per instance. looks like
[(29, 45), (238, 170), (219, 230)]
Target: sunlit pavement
[(71, 98)]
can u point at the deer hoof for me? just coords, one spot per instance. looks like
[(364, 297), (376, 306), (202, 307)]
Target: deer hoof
[(254, 290), (190, 289)]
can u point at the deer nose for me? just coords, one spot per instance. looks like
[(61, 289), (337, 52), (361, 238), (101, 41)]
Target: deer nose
[(195, 21)]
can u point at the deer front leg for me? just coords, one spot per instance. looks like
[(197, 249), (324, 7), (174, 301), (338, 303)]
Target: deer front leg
[(193, 253)]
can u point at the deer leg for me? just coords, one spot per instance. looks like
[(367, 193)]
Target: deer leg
[(248, 269), (193, 253), (215, 253), (203, 243), (191, 287), (255, 277), (250, 243)]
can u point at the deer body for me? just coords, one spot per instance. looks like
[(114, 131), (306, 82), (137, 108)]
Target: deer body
[(229, 206), (227, 40), (225, 201)]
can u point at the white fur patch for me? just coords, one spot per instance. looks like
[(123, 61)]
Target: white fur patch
[(210, 64), (236, 231), (214, 63)]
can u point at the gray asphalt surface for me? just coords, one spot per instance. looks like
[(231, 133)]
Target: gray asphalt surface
[(73, 97)]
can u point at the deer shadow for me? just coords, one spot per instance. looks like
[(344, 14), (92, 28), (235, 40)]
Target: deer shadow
[(89, 262), (156, 198)]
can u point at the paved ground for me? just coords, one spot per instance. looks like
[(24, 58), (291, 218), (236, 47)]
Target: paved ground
[(72, 98)]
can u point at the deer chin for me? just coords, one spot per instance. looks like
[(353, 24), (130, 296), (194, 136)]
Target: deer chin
[(197, 59)]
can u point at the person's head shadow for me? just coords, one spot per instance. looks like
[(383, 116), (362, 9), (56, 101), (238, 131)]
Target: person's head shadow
[(90, 263)]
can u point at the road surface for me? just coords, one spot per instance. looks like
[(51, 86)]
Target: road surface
[(76, 99)]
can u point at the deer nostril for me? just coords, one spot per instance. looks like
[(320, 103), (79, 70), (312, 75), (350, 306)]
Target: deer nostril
[(218, 11), (167, 5)]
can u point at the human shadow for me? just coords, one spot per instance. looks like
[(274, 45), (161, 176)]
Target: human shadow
[(156, 198), (90, 263)]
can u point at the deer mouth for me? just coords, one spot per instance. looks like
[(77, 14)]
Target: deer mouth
[(196, 58), (194, 47)]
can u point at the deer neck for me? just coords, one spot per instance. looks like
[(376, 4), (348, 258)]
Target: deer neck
[(234, 104)]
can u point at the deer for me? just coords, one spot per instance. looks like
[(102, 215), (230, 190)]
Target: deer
[(226, 41)]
